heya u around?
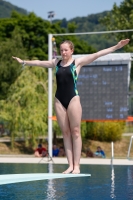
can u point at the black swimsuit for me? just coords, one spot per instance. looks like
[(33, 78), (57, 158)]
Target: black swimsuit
[(66, 78)]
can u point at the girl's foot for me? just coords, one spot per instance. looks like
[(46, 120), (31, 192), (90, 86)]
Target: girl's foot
[(68, 171), (76, 170)]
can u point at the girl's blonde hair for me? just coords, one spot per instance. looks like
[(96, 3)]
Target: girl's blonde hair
[(71, 45)]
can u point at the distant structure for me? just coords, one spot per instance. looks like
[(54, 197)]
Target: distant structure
[(51, 15)]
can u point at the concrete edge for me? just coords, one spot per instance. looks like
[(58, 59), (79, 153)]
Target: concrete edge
[(89, 161)]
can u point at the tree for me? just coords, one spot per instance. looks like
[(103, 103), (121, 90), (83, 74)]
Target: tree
[(121, 18), (91, 23), (34, 32), (9, 70), (81, 47), (25, 109)]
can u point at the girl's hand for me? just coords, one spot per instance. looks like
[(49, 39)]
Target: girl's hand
[(122, 43), (18, 59)]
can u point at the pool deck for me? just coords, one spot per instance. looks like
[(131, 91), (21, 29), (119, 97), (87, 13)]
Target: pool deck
[(57, 160)]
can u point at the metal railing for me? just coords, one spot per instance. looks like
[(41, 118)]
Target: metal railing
[(129, 149)]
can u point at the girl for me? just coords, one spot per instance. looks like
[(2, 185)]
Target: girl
[(67, 101)]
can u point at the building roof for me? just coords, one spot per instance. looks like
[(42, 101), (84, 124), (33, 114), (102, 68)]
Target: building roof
[(112, 58)]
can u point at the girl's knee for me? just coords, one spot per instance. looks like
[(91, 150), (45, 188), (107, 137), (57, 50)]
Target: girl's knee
[(66, 132), (75, 132)]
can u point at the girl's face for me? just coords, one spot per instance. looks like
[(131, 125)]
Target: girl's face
[(65, 51)]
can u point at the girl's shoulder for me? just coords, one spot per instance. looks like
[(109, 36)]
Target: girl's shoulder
[(57, 61)]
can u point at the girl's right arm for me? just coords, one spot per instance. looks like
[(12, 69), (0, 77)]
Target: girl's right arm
[(46, 64)]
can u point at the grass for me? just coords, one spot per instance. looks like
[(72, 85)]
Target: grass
[(120, 147), (128, 129)]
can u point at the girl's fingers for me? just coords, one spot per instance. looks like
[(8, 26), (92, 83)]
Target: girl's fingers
[(14, 57), (17, 59)]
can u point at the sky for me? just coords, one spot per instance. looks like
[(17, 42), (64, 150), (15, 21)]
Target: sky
[(65, 8)]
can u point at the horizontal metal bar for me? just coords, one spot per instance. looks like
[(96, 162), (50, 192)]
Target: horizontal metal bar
[(91, 33)]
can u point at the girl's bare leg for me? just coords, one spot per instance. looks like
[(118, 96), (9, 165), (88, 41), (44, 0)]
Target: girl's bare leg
[(63, 122), (74, 114), (69, 122)]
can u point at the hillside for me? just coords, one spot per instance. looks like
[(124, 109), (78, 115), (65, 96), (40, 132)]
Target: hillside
[(6, 9), (89, 23)]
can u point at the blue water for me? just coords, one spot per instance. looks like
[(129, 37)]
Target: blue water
[(105, 183)]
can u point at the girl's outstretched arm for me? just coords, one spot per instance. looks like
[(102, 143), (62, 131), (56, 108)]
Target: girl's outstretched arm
[(90, 58), (46, 64)]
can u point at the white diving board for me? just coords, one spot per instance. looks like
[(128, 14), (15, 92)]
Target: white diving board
[(16, 178)]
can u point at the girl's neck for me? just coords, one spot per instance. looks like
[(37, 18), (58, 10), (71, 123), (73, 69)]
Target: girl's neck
[(66, 61)]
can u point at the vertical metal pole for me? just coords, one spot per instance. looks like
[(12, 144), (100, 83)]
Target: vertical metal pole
[(129, 147), (112, 152), (50, 96)]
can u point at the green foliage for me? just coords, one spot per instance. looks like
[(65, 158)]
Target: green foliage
[(80, 24), (121, 18), (103, 131), (83, 129), (25, 109), (9, 70), (56, 129), (81, 46), (91, 23), (71, 27), (33, 32), (6, 9)]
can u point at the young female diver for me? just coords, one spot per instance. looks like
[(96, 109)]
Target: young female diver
[(67, 101)]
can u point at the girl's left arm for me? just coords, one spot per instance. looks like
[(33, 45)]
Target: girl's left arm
[(90, 58)]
